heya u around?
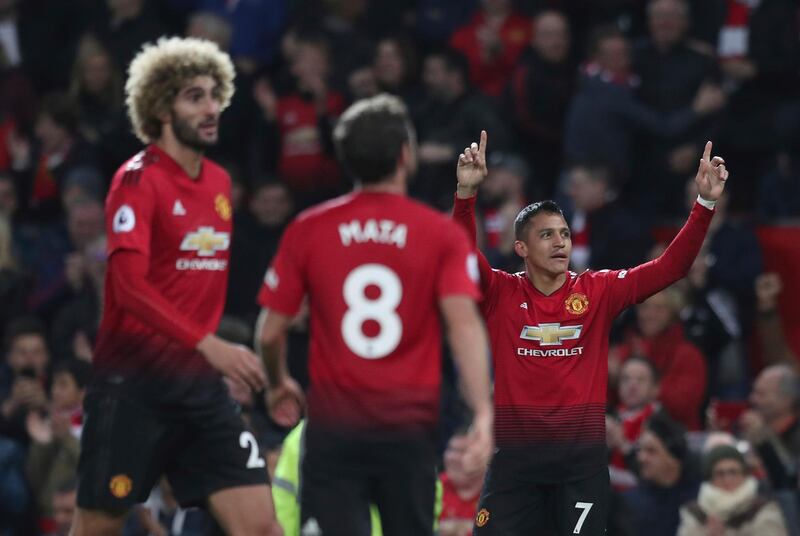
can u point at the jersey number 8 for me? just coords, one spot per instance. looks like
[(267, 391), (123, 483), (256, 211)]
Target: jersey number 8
[(382, 310)]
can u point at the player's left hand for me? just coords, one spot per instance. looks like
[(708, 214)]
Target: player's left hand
[(711, 175), (285, 402)]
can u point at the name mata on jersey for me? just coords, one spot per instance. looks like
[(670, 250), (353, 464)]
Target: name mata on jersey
[(205, 241), (378, 232)]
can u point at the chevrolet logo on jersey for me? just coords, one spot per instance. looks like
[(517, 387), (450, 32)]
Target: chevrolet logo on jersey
[(550, 334), (205, 241)]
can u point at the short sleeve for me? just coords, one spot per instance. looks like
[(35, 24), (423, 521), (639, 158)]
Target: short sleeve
[(129, 213), (458, 273), (284, 285)]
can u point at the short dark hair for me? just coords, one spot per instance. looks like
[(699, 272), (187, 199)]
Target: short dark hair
[(79, 370), (370, 136), (19, 327), (526, 214), (453, 61), (647, 363), (671, 433)]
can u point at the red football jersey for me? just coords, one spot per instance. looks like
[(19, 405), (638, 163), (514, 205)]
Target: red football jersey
[(550, 353), (374, 266), (183, 226)]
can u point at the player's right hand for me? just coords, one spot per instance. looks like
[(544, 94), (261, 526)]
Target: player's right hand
[(285, 402), (480, 445), (471, 168), (233, 360)]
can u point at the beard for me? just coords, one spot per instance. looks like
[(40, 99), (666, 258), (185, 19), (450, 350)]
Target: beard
[(188, 135)]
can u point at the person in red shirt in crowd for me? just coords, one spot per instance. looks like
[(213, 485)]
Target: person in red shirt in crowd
[(683, 369), (378, 269), (493, 41), (157, 404), (304, 118), (461, 490), (548, 329), (638, 392)]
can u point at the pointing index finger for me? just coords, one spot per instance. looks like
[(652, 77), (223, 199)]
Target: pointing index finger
[(707, 152), (482, 146)]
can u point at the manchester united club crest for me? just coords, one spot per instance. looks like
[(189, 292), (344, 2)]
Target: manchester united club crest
[(577, 304), (482, 518), (120, 486), (223, 207)]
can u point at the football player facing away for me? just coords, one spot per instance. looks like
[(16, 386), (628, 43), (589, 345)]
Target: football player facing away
[(381, 274)]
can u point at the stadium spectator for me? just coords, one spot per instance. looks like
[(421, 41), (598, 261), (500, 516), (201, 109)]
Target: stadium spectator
[(64, 504), (55, 435), (772, 426), (672, 68), (58, 158), (503, 197), (395, 67), (604, 231), (374, 443), (551, 411), (669, 477), (659, 336), (74, 327), (258, 230), (729, 502), (130, 24), (605, 115), (538, 95), (362, 82), (96, 89), (759, 54), (256, 28), (304, 120), (732, 259), (770, 331), (24, 375), (447, 118), (638, 400), (492, 42)]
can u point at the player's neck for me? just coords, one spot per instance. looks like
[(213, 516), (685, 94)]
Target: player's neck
[(190, 160), (545, 282), (393, 185)]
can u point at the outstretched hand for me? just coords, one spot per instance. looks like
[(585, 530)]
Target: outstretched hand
[(711, 175), (471, 168)]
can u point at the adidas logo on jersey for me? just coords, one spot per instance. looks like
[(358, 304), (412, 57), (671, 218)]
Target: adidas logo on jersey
[(177, 208), (523, 305)]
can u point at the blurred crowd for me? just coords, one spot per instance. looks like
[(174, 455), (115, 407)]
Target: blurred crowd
[(602, 105)]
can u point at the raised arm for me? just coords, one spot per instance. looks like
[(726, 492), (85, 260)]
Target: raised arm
[(634, 285), (470, 172)]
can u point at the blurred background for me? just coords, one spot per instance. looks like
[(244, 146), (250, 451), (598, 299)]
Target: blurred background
[(602, 105)]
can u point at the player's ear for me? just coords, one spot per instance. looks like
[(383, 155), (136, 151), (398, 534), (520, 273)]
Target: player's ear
[(521, 248), (408, 158)]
